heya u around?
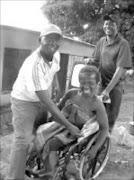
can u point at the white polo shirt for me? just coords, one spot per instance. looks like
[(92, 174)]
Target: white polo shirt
[(35, 75)]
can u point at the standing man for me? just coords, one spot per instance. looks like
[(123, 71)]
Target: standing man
[(30, 90), (114, 58)]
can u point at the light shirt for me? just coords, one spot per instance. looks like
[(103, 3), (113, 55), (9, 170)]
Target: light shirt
[(35, 75)]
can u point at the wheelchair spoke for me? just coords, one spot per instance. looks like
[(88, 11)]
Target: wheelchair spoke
[(91, 168), (87, 168)]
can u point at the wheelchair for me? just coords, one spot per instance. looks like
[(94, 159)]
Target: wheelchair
[(77, 165), (74, 163)]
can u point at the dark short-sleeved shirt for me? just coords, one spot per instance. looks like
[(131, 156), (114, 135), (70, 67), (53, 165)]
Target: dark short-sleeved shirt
[(111, 56)]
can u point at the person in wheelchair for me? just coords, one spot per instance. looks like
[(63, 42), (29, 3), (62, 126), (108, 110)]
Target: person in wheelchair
[(79, 105)]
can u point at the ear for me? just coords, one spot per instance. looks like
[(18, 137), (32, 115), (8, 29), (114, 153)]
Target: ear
[(39, 39), (42, 39)]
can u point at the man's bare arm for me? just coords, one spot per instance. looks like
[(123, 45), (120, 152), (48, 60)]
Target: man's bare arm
[(52, 108), (120, 71)]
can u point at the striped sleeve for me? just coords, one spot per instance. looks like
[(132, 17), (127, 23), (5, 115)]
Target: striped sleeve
[(40, 79)]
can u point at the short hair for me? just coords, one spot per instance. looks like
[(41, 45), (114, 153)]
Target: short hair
[(89, 69)]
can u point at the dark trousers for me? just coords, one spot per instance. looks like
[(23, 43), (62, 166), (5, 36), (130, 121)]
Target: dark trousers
[(114, 107)]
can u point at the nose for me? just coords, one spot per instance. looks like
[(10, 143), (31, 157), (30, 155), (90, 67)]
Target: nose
[(106, 26), (86, 85), (54, 47)]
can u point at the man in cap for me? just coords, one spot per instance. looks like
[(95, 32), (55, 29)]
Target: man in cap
[(113, 56), (30, 90)]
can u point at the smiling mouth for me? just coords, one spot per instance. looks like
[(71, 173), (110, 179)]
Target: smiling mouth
[(87, 91), (108, 30)]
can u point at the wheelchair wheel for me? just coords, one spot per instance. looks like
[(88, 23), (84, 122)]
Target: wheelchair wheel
[(35, 167), (90, 169), (69, 164), (32, 163)]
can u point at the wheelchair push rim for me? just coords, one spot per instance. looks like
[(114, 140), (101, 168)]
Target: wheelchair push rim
[(91, 169)]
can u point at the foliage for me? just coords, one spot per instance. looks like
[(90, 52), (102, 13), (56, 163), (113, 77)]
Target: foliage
[(83, 18), (124, 9)]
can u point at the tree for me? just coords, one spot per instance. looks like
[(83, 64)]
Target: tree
[(83, 18), (72, 15), (124, 9)]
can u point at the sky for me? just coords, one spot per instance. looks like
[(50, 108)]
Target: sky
[(24, 14)]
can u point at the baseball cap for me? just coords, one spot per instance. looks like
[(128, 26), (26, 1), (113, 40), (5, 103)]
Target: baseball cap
[(111, 17), (49, 29)]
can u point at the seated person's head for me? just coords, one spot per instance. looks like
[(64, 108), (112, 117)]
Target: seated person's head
[(88, 79)]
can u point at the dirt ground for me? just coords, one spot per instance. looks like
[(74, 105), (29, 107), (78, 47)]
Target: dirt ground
[(120, 165)]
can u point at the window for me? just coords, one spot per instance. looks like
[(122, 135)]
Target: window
[(13, 59)]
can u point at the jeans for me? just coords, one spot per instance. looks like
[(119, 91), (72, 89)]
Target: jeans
[(24, 115), (113, 108)]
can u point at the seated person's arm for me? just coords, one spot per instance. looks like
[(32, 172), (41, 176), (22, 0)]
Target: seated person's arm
[(63, 100), (103, 123), (67, 96)]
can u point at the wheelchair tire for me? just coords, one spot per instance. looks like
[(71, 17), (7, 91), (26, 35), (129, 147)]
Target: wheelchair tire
[(63, 170), (35, 162), (90, 169), (70, 169), (30, 164)]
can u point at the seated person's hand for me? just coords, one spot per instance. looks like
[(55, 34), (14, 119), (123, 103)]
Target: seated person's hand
[(92, 153), (75, 131)]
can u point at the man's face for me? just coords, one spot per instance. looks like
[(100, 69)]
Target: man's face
[(50, 43), (88, 84), (110, 28)]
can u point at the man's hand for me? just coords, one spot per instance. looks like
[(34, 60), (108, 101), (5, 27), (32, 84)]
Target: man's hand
[(89, 60), (75, 131), (105, 95)]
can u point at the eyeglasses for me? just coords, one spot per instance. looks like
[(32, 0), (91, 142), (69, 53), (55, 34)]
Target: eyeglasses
[(51, 40)]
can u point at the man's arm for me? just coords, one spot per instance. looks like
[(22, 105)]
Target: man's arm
[(124, 62), (56, 88), (119, 73), (94, 60), (51, 107)]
